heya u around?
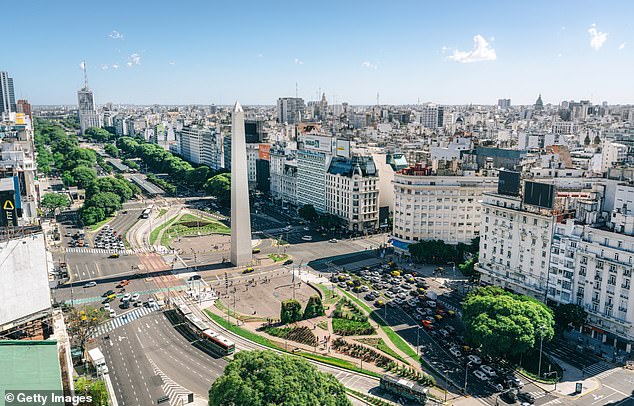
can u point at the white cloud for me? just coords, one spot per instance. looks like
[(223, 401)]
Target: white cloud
[(481, 52), (444, 49), (298, 61), (82, 65), (563, 28), (622, 46), (559, 55), (368, 64), (134, 59), (172, 63), (104, 67), (115, 35), (260, 56), (597, 38)]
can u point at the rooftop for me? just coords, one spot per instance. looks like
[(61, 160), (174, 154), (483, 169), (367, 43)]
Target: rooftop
[(29, 365), (23, 273)]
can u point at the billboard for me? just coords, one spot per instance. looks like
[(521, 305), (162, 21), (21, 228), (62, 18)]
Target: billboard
[(8, 210), (509, 183), (318, 143), (343, 148), (265, 150), (539, 194)]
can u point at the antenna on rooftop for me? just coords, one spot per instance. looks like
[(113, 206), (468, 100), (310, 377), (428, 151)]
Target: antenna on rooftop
[(377, 99), (296, 90), (83, 67)]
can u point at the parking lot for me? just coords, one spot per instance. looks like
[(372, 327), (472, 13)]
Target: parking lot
[(416, 307)]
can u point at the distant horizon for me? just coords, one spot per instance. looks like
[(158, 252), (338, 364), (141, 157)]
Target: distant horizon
[(468, 52)]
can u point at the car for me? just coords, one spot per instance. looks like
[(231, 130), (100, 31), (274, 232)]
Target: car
[(151, 302), (475, 359), (498, 387), (480, 375), (392, 303), (307, 238), (455, 352), (488, 370), (526, 397), (106, 306), (510, 396), (113, 256), (108, 293), (135, 297), (306, 228), (431, 303), (90, 284), (332, 240), (288, 262), (248, 270), (126, 297), (113, 314), (514, 381), (123, 283)]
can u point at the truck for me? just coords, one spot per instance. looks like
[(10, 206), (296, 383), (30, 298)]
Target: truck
[(431, 295), (97, 359)]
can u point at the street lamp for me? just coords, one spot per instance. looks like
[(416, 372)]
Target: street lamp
[(541, 344), (466, 371)]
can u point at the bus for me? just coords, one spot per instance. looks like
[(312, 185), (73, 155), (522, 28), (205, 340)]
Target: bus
[(146, 213), (219, 342), (405, 388), (226, 346)]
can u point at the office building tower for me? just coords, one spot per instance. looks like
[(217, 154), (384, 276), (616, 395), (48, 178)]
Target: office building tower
[(290, 110), (504, 103), (7, 94), (432, 116)]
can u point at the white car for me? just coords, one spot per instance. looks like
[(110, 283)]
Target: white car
[(106, 307), (332, 240), (475, 359), (113, 314), (488, 370), (455, 352), (135, 297), (90, 284), (481, 375), (126, 297), (307, 238)]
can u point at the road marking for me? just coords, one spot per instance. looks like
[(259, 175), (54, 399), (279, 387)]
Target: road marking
[(616, 390)]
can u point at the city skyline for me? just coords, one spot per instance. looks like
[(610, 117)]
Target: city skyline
[(475, 53)]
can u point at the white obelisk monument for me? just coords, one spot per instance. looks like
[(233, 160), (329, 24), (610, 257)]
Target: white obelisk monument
[(240, 212)]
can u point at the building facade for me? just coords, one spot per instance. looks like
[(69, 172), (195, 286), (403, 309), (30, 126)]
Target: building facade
[(7, 95), (88, 116), (429, 207), (290, 110), (311, 169)]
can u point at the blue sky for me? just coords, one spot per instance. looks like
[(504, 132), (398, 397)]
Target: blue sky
[(196, 52)]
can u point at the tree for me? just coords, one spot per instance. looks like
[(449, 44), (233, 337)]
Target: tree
[(91, 215), (314, 308), (503, 323), (81, 323), (468, 267), (291, 311), (569, 315), (437, 252), (111, 150), (98, 134), (196, 178), (53, 201), (95, 389), (84, 176), (328, 221), (262, 378), (107, 201), (308, 212), (220, 187), (586, 141)]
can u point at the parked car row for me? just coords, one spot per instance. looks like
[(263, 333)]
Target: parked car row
[(108, 238)]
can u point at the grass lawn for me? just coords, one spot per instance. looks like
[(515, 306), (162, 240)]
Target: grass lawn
[(529, 366), (380, 345), (240, 331), (161, 213), (330, 296), (154, 234), (278, 257), (96, 226), (338, 363), (189, 224)]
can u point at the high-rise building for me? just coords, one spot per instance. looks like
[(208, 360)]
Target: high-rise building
[(201, 145), (504, 103), (432, 207), (432, 116), (241, 253), (7, 94), (88, 116), (539, 104), (290, 110), (352, 192)]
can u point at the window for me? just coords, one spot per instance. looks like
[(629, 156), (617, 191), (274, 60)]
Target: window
[(612, 280)]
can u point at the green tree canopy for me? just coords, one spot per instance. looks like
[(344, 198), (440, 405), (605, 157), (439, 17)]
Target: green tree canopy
[(53, 201), (220, 187), (111, 150), (107, 201), (308, 212), (68, 179), (91, 215), (99, 134), (569, 315), (437, 252), (264, 378), (503, 323), (291, 311), (314, 308), (84, 176)]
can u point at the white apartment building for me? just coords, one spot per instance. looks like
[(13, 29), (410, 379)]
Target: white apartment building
[(432, 116), (201, 145), (429, 207), (352, 192), (613, 154), (514, 245), (253, 152), (592, 268), (283, 176)]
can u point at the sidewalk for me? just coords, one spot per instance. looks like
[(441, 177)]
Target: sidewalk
[(566, 388)]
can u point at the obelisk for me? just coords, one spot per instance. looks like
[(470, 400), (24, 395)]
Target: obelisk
[(240, 212)]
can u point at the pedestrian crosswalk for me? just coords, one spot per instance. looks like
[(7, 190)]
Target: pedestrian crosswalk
[(177, 394), (159, 249), (600, 370), (119, 321)]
